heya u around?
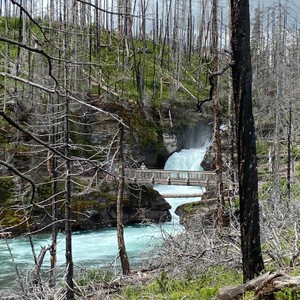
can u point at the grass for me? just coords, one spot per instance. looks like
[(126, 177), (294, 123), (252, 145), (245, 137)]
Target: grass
[(205, 287)]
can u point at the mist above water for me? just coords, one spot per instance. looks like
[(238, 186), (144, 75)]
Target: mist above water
[(197, 136)]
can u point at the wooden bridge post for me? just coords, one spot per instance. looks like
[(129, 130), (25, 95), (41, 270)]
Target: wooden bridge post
[(153, 180)]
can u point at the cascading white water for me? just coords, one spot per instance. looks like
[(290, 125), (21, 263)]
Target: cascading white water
[(186, 160), (99, 248)]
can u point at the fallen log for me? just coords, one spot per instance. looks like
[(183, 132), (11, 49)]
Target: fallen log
[(264, 286), (275, 284), (235, 292)]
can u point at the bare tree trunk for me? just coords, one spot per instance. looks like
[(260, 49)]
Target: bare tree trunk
[(215, 98), (246, 140), (54, 224), (190, 32), (120, 226), (53, 176), (51, 15), (166, 35), (68, 226), (141, 87), (289, 150), (202, 27), (231, 130)]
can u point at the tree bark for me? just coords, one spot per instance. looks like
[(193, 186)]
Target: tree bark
[(68, 227), (289, 150), (120, 227), (215, 98), (246, 140)]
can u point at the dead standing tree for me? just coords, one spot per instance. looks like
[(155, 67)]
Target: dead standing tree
[(120, 227), (215, 99), (246, 140)]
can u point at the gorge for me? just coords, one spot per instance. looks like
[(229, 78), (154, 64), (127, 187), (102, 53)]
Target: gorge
[(98, 248)]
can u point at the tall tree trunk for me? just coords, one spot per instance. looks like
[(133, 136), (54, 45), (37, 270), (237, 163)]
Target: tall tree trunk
[(289, 150), (232, 130), (246, 147), (54, 224), (215, 98), (120, 226), (202, 27), (68, 228), (53, 176)]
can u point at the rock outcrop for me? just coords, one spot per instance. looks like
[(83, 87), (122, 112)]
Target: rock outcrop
[(98, 209), (142, 204)]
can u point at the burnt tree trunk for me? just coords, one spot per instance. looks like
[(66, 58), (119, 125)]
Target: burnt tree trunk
[(246, 140)]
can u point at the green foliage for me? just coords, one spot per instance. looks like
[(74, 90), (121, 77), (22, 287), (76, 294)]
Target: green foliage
[(189, 207), (144, 132), (267, 187), (203, 288), (11, 23), (6, 190), (9, 215), (90, 276), (296, 151), (287, 294), (262, 148), (297, 168)]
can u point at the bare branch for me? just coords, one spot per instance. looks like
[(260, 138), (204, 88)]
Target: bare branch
[(212, 86), (107, 11), (32, 49), (31, 19), (33, 84)]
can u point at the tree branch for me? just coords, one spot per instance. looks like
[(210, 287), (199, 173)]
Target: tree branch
[(107, 11), (32, 49), (53, 91), (210, 78), (40, 142)]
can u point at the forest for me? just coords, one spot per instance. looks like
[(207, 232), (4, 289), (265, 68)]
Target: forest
[(91, 89)]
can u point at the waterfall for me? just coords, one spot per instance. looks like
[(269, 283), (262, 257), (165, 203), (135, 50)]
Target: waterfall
[(185, 160)]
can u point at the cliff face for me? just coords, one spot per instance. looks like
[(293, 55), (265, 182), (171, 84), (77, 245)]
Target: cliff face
[(142, 204)]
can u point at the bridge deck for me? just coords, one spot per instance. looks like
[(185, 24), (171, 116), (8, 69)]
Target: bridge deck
[(194, 195), (173, 177)]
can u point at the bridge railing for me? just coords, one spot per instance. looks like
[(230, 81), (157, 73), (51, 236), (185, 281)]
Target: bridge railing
[(169, 177)]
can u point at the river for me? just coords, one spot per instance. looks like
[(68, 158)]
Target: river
[(96, 249)]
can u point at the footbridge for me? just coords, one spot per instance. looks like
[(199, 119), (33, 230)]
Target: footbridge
[(173, 177)]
